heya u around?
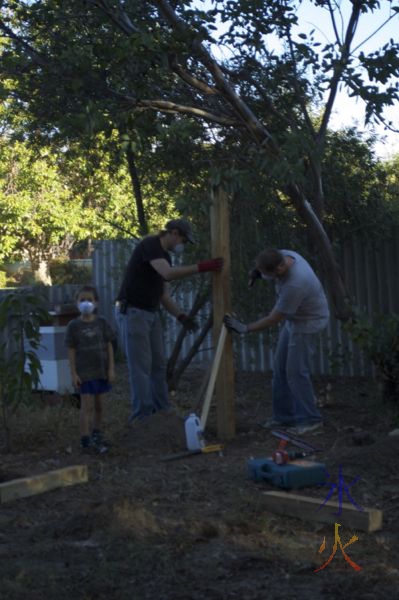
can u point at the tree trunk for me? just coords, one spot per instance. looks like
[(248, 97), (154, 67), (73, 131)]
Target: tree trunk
[(134, 176), (334, 280), (173, 374), (41, 272)]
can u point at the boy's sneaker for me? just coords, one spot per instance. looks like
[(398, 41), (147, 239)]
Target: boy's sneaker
[(90, 449), (306, 428), (93, 449), (98, 439)]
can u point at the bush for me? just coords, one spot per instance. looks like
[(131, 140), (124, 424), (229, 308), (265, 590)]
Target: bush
[(62, 271), (21, 314), (3, 279), (379, 340)]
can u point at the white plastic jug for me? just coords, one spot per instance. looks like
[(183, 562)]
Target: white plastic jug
[(193, 429)]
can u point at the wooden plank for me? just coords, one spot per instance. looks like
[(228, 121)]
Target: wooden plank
[(212, 379), (221, 300), (37, 484), (304, 507)]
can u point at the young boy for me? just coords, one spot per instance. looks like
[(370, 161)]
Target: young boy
[(91, 358)]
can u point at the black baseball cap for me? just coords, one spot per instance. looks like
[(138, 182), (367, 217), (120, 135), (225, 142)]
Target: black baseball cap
[(183, 226)]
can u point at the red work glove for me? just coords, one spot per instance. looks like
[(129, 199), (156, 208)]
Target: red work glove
[(188, 323), (214, 264)]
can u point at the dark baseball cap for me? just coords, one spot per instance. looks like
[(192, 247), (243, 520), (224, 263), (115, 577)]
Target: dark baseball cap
[(183, 226)]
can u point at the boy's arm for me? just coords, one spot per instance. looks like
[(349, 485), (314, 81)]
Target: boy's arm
[(72, 364), (111, 362)]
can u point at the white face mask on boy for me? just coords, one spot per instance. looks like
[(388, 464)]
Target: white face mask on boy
[(86, 307)]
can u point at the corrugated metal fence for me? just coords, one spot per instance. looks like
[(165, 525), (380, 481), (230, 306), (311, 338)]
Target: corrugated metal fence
[(370, 271)]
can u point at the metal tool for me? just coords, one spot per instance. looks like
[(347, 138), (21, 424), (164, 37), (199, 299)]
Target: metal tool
[(287, 437), (204, 450)]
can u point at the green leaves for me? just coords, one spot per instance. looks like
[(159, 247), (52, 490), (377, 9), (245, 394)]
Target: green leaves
[(21, 314), (379, 339)]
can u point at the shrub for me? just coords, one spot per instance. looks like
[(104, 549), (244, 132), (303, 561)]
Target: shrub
[(3, 279), (21, 313), (379, 339)]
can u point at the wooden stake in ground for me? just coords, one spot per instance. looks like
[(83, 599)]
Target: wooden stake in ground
[(221, 298), (37, 484), (213, 376)]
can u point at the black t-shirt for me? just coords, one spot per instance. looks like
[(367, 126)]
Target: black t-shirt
[(90, 340), (143, 286)]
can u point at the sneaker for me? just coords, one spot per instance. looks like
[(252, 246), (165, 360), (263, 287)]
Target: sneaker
[(98, 439), (88, 450), (93, 449), (306, 428), (272, 423)]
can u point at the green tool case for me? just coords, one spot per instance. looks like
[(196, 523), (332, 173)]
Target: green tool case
[(293, 475)]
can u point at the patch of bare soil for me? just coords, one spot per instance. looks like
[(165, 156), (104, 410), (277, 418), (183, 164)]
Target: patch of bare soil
[(195, 528)]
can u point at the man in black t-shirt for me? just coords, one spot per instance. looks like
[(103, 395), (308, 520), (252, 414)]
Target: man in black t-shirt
[(144, 288)]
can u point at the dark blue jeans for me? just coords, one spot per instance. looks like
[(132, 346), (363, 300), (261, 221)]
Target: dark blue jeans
[(294, 401), (142, 341)]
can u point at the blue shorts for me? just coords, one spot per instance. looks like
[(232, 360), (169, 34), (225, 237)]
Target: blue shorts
[(95, 386)]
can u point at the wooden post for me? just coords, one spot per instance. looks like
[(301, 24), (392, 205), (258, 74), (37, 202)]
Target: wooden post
[(221, 297)]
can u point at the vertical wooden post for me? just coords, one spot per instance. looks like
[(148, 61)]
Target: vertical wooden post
[(221, 296)]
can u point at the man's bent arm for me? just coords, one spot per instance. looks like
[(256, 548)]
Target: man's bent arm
[(273, 318), (169, 273), (169, 304)]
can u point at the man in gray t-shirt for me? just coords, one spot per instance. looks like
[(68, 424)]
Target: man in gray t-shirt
[(302, 309)]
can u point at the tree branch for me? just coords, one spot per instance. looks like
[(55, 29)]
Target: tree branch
[(253, 125), (36, 56), (299, 95), (172, 107), (338, 70), (192, 81), (121, 20)]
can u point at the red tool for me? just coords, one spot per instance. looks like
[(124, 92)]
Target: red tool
[(281, 456)]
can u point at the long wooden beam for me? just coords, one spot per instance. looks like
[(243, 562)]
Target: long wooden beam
[(37, 484), (304, 507), (212, 379), (221, 298)]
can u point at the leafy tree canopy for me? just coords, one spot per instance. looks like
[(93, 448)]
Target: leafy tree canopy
[(134, 66)]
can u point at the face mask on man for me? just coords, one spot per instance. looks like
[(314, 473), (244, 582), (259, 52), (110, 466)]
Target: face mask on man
[(86, 307), (178, 249), (268, 277)]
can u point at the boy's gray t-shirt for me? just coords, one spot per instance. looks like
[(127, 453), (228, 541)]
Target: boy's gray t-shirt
[(90, 340), (300, 296)]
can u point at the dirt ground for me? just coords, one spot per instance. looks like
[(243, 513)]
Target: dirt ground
[(196, 528)]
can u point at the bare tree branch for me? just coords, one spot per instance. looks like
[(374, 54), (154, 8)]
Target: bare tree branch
[(253, 125), (172, 107), (36, 56), (120, 19), (192, 81), (338, 70)]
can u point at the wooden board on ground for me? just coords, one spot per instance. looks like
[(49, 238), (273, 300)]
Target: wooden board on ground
[(37, 484), (304, 507)]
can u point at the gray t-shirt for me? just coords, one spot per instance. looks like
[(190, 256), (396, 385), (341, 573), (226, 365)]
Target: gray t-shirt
[(90, 340), (300, 296)]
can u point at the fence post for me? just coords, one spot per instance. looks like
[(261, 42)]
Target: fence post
[(221, 297)]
